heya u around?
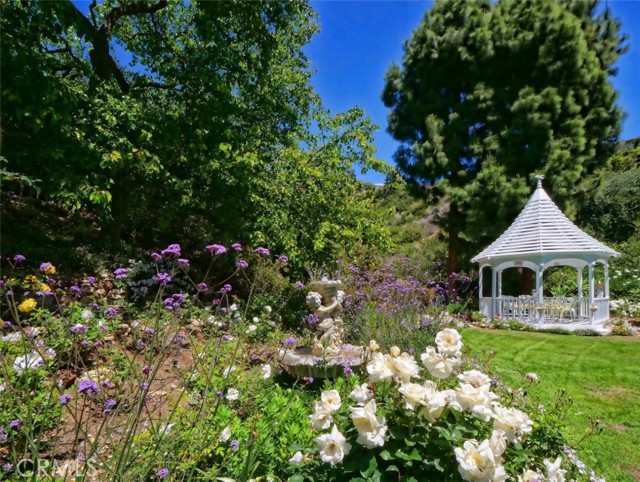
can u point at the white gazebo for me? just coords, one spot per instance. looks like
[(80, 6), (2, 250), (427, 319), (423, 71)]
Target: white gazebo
[(542, 237)]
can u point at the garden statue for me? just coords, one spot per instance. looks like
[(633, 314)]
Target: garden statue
[(328, 357), (326, 301)]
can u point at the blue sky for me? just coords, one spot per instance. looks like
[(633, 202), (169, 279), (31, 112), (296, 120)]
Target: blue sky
[(360, 39)]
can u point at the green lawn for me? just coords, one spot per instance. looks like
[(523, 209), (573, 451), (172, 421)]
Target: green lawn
[(602, 375)]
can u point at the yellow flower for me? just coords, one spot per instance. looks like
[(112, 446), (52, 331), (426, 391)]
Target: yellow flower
[(30, 279), (45, 287), (27, 305), (48, 268)]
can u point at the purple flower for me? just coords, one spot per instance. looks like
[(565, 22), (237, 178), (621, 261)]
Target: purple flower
[(98, 344), (109, 404), (202, 286), (308, 380), (144, 386), (237, 247), (226, 337), (79, 328), (262, 251), (216, 249), (283, 259), (18, 258), (149, 331), (2, 283), (156, 256), (84, 343), (290, 341), (44, 267), (299, 285), (64, 399), (90, 280), (242, 264), (234, 445), (121, 273), (146, 369), (107, 384), (7, 467), (174, 301), (16, 424), (215, 302), (171, 250), (348, 372), (162, 278), (77, 292), (162, 473), (225, 289), (183, 262), (88, 386), (3, 434)]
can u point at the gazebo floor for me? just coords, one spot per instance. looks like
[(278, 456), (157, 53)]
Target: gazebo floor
[(572, 326)]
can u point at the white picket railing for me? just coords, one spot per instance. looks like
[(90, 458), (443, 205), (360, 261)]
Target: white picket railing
[(553, 309)]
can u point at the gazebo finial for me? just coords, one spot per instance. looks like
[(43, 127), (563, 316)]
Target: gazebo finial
[(539, 177)]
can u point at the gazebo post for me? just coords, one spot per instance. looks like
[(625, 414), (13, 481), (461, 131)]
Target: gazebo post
[(606, 280), (494, 283), (499, 280), (591, 292), (580, 292), (539, 289)]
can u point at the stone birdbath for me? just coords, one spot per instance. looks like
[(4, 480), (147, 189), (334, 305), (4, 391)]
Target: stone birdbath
[(329, 356)]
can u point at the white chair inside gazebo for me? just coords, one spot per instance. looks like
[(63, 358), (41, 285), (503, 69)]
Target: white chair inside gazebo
[(542, 237)]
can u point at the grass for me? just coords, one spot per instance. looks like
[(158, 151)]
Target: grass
[(601, 375)]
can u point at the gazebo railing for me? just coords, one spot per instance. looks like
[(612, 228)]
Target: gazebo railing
[(553, 309)]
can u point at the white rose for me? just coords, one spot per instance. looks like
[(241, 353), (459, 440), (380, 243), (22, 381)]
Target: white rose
[(331, 401), (449, 342), (251, 328), (232, 394), (255, 319), (321, 419), (498, 442), (297, 458), (452, 400), (477, 400), (266, 370), (378, 368), (438, 365), (530, 476), (475, 378), (477, 462), (361, 393), (268, 309), (436, 402), (404, 367), (513, 422), (371, 428), (554, 472), (333, 446), (228, 371), (225, 434), (414, 395)]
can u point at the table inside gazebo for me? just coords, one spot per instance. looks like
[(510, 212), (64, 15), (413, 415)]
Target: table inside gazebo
[(552, 308)]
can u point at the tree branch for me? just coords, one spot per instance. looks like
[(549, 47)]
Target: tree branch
[(132, 9)]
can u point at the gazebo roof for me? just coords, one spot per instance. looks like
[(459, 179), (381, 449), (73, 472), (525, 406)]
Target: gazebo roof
[(541, 228)]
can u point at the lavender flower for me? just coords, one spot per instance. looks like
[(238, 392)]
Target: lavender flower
[(162, 473), (234, 445), (162, 278), (144, 386), (16, 424), (290, 341), (242, 264), (237, 247), (109, 405), (216, 249), (283, 259), (98, 344), (79, 328), (18, 258), (77, 292), (7, 467), (88, 386), (171, 250), (183, 262), (262, 251), (90, 280), (156, 256), (202, 286), (121, 273), (47, 267), (299, 285), (64, 399), (225, 289)]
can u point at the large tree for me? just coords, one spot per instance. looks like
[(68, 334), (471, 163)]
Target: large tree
[(175, 119), (490, 94)]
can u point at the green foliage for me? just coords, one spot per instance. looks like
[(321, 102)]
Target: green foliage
[(491, 93), (212, 130)]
